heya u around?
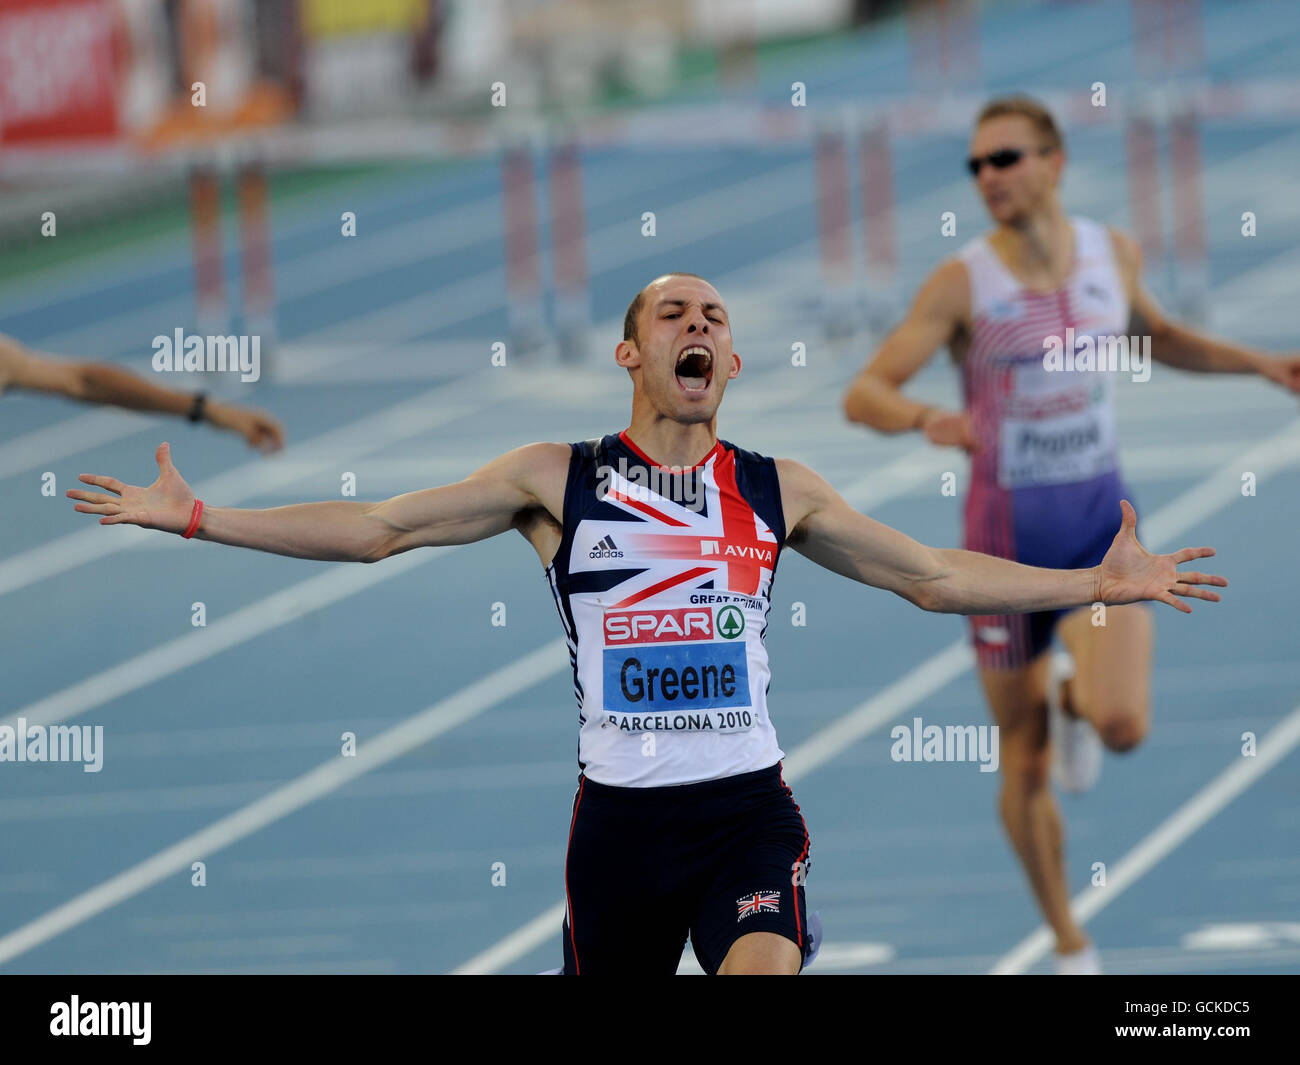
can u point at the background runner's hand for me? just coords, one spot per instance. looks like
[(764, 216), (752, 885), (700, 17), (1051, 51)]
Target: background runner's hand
[(949, 429), (166, 504), (1283, 370), (1131, 574), (256, 426)]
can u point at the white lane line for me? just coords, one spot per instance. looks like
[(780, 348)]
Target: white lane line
[(43, 447), (1155, 847), (931, 676), (147, 258), (428, 724), (246, 623), (1265, 458), (224, 796)]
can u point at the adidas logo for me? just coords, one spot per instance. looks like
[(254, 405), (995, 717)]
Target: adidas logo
[(606, 548)]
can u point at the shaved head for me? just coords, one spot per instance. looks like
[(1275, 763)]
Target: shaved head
[(632, 318)]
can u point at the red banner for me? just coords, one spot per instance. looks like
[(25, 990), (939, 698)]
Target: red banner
[(58, 70)]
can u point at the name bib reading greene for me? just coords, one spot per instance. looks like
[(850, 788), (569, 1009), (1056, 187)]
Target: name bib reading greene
[(677, 669)]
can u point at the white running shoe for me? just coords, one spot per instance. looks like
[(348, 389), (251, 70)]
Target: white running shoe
[(1084, 962), (1076, 750)]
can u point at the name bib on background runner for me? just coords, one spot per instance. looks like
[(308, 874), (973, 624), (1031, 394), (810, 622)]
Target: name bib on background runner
[(1056, 428)]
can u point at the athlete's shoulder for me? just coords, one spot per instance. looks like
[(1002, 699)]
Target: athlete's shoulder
[(530, 463), (946, 293), (972, 250), (1128, 252), (953, 272), (803, 491)]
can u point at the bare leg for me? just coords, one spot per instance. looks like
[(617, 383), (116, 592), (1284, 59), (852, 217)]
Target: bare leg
[(761, 954), (1018, 698), (1112, 672)]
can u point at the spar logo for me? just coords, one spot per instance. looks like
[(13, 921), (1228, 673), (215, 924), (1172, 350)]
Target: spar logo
[(658, 626), (731, 622), (676, 625)]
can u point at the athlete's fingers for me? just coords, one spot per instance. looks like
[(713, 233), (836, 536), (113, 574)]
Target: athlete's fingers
[(111, 483), (118, 519), (1129, 516), (1192, 592), (91, 497), (97, 508), (1203, 578), (1189, 553), (163, 456), (1176, 603)]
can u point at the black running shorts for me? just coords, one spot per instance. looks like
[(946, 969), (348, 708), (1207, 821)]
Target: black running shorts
[(648, 866)]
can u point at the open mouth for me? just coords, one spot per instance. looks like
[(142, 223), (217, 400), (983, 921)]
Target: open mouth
[(694, 369)]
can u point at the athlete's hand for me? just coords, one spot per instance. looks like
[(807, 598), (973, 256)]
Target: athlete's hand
[(1283, 370), (1131, 574), (950, 429), (166, 504), (256, 426)]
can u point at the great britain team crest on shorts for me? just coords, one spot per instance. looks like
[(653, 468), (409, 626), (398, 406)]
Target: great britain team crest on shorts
[(759, 902)]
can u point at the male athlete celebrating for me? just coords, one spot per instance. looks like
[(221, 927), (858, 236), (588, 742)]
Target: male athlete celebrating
[(664, 595), (1045, 484), (101, 382)]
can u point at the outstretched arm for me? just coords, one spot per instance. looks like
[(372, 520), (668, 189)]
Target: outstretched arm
[(1181, 346), (825, 529), (99, 382), (493, 499)]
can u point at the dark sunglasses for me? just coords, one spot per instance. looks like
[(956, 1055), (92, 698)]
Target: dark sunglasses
[(999, 160)]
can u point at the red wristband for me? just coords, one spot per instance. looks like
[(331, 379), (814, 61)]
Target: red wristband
[(195, 518)]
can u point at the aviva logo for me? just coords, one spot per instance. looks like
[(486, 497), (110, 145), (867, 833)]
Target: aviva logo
[(731, 622)]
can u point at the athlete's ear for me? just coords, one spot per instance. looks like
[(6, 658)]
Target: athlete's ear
[(735, 365), (627, 355)]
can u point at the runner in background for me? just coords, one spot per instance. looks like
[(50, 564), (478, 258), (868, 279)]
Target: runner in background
[(104, 383), (1045, 480)]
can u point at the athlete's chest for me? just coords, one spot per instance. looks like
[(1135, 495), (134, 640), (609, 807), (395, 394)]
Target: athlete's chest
[(1015, 323), (634, 545)]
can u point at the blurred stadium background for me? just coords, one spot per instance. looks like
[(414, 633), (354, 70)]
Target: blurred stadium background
[(499, 163)]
